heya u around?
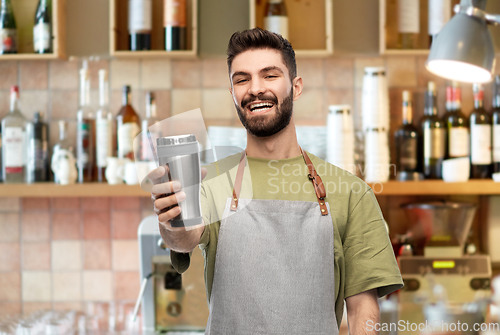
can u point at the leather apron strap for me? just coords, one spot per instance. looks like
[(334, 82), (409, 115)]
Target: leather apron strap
[(319, 188)]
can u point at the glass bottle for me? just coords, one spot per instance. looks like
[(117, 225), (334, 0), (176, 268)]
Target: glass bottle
[(480, 137), (433, 134), (63, 143), (175, 24), (406, 138), (457, 125), (496, 125), (140, 24), (38, 141), (276, 18), (104, 132), (128, 126), (439, 14), (14, 142), (149, 134), (42, 30), (85, 131), (8, 28)]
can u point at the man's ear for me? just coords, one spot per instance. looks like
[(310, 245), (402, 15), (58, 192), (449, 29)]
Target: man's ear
[(297, 86)]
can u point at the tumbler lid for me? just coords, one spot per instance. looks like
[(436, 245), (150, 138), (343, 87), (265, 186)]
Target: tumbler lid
[(176, 140)]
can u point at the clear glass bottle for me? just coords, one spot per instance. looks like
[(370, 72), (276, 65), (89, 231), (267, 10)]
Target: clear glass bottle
[(14, 142), (408, 23), (407, 139), (104, 132), (128, 126), (85, 131), (480, 137), (63, 143), (149, 136), (433, 136)]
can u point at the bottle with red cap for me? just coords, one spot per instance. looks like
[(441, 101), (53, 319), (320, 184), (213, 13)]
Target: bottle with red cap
[(480, 137), (14, 141), (456, 124)]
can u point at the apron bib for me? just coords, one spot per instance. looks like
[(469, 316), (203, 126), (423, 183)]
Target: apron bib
[(274, 267)]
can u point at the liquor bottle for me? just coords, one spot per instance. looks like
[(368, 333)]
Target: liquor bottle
[(149, 135), (406, 138), (63, 143), (14, 142), (439, 15), (38, 155), (8, 29), (85, 131), (433, 134), (128, 126), (496, 125), (276, 19), (175, 25), (104, 132), (42, 30), (140, 24), (457, 125), (480, 137), (408, 23)]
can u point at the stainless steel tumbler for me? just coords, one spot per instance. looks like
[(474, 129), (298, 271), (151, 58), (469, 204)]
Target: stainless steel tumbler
[(181, 154)]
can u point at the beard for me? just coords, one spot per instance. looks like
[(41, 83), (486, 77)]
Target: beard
[(265, 125)]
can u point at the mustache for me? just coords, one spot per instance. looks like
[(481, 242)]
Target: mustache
[(262, 97)]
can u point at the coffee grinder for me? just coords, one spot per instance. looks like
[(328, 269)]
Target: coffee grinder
[(443, 228), (170, 301)]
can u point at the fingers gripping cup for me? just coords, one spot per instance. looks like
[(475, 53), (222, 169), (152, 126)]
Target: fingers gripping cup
[(180, 155)]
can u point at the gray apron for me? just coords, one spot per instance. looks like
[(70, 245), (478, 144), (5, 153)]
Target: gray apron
[(274, 267)]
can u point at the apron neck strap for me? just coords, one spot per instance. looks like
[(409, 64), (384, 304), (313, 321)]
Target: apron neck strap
[(319, 188)]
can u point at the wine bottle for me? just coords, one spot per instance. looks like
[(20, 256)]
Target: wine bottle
[(62, 144), (433, 131), (480, 137), (406, 138), (42, 30), (38, 155), (457, 125), (175, 24), (140, 24), (408, 23), (276, 19), (439, 15), (496, 125), (85, 132), (14, 142), (128, 127), (149, 134), (8, 29), (104, 132)]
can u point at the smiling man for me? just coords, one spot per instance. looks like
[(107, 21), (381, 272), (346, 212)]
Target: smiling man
[(280, 260)]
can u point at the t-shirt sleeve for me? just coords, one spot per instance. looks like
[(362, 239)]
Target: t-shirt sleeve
[(369, 257)]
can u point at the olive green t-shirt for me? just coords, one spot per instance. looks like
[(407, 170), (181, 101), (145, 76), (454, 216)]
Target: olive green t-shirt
[(364, 257)]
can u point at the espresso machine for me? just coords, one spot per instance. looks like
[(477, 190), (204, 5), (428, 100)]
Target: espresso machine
[(171, 302), (444, 277)]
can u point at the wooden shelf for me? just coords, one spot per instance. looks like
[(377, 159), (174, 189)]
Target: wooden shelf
[(437, 187), (310, 25), (427, 187), (74, 190), (24, 12), (119, 36)]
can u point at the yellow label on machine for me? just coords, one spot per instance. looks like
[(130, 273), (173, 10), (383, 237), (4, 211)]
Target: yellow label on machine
[(443, 264)]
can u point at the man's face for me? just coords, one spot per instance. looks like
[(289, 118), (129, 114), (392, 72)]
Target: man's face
[(262, 91)]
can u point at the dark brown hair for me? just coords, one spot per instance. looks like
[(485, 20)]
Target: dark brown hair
[(258, 38)]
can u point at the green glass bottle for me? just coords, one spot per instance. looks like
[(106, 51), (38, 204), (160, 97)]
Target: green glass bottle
[(42, 29), (8, 29)]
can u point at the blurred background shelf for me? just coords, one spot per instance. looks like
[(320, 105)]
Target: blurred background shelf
[(427, 187), (75, 190)]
